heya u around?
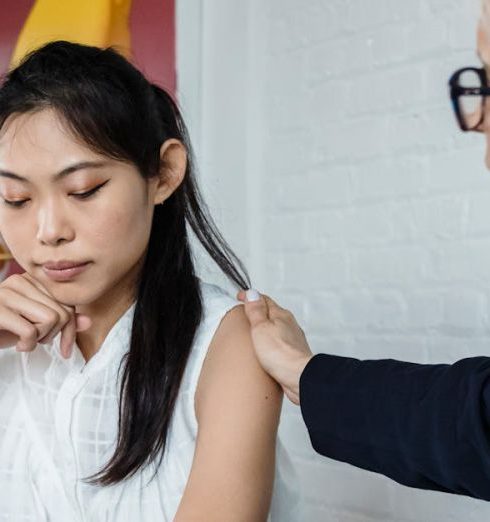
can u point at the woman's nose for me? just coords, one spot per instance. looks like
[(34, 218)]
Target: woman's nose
[(53, 225)]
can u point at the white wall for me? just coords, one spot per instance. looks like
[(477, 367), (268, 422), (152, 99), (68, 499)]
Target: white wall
[(332, 163)]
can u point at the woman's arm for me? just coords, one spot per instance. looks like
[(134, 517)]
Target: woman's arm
[(237, 408)]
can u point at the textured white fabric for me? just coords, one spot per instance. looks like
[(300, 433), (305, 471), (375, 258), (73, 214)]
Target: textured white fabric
[(58, 424)]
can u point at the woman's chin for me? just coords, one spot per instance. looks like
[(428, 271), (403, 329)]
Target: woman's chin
[(71, 294)]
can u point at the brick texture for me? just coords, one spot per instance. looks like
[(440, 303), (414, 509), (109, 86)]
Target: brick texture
[(380, 217)]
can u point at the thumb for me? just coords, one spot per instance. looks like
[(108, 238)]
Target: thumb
[(255, 306), (83, 322)]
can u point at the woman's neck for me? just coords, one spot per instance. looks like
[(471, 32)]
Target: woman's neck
[(89, 341), (106, 311)]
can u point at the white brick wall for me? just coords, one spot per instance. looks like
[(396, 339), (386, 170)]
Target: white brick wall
[(350, 194)]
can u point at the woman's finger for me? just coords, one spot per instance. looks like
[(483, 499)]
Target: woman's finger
[(35, 282), (42, 316), (68, 337), (83, 321), (30, 288), (16, 329)]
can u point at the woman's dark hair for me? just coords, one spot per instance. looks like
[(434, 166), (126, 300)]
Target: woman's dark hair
[(108, 103)]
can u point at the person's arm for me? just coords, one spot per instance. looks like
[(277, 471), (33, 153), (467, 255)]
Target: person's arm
[(425, 426), (237, 408)]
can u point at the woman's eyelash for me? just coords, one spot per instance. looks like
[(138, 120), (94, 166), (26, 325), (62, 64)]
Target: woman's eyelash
[(15, 204), (82, 195)]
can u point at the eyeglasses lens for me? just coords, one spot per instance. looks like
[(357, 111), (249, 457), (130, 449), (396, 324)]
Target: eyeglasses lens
[(470, 105)]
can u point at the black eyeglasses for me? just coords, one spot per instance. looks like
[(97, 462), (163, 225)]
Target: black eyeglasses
[(468, 88)]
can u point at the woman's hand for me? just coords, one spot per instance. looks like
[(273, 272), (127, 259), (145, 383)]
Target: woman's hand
[(280, 343), (29, 315)]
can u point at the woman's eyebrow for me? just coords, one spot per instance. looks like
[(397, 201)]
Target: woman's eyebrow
[(63, 173)]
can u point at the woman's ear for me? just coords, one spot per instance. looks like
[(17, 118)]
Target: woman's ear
[(173, 161)]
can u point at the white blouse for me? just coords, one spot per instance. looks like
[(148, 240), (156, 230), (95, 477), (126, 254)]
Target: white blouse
[(58, 424)]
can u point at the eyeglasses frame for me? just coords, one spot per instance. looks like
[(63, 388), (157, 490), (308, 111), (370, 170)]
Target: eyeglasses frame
[(455, 91)]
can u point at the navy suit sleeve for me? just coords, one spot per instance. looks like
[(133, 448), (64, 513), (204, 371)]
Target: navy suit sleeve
[(425, 426)]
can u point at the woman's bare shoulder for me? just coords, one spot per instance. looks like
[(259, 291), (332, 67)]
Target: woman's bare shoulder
[(232, 368), (237, 408)]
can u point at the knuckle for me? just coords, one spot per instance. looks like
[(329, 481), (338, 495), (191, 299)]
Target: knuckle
[(263, 326), (30, 334), (15, 282), (15, 279), (7, 293), (9, 281), (51, 316), (65, 316), (282, 321)]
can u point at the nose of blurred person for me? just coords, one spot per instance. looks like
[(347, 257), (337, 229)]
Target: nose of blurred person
[(484, 128), (483, 46)]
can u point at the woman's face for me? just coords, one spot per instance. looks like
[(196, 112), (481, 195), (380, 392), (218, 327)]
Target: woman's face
[(109, 228)]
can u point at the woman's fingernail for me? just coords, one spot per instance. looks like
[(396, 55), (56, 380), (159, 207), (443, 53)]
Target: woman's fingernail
[(252, 295)]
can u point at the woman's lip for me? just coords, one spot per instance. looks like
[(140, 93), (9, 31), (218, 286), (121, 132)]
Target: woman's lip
[(62, 265), (65, 274)]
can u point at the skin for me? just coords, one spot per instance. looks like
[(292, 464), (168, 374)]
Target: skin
[(237, 404), (238, 412), (483, 51), (279, 342)]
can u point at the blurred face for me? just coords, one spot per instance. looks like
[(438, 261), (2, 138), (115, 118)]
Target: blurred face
[(98, 211), (483, 49)]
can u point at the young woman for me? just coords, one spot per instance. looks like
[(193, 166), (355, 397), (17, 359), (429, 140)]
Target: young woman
[(129, 388)]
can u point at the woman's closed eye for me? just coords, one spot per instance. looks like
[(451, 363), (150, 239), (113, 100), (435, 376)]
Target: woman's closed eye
[(79, 195)]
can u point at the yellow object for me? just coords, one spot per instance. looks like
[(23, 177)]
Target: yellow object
[(92, 22)]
